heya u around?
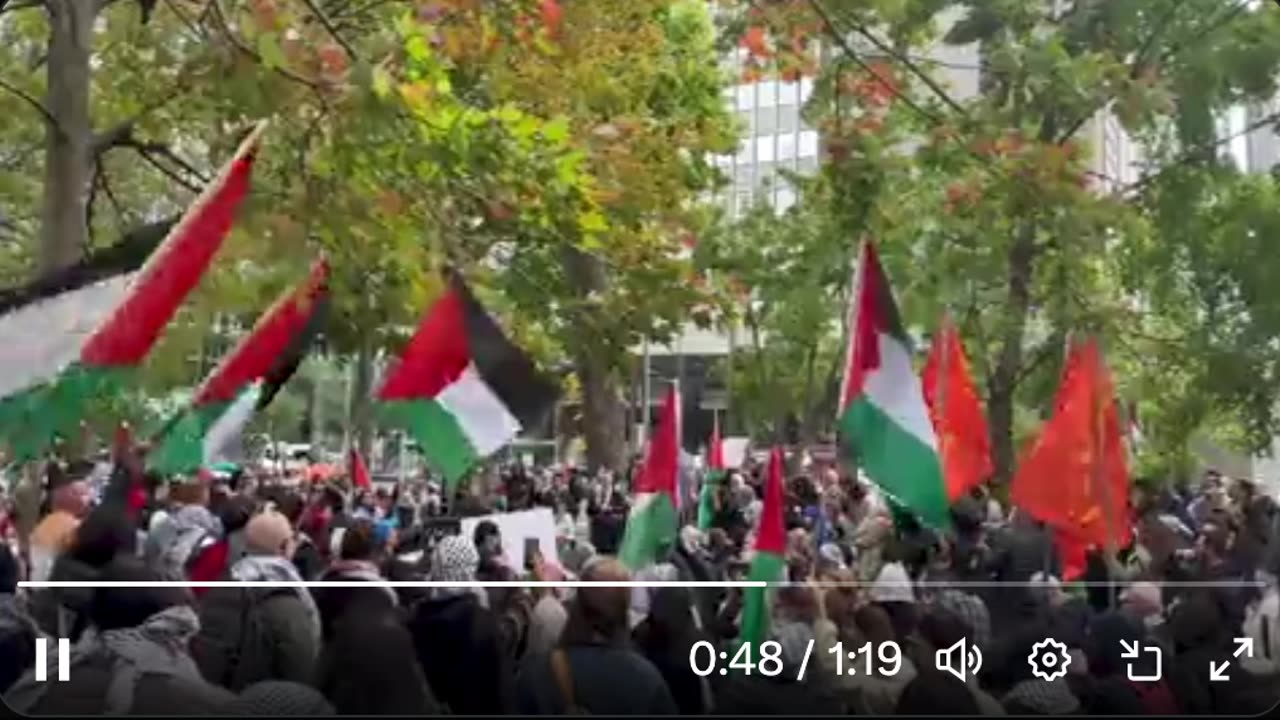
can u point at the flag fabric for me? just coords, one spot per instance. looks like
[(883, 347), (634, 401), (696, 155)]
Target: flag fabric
[(461, 388), (768, 561), (956, 412), (82, 339), (246, 380), (712, 478), (1074, 477), (884, 423), (358, 471), (652, 524)]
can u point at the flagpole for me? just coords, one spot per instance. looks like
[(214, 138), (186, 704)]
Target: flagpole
[(643, 436)]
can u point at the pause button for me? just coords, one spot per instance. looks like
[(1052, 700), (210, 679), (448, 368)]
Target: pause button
[(42, 659)]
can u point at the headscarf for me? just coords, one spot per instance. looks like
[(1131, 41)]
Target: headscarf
[(156, 647), (280, 697), (455, 559)]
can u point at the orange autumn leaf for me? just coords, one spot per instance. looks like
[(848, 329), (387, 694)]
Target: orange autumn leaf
[(755, 42)]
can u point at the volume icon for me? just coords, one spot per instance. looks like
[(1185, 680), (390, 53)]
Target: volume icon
[(961, 659), (42, 659)]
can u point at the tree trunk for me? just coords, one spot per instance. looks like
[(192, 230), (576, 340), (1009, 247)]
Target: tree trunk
[(64, 232), (603, 414), (603, 411), (361, 420), (1005, 376)]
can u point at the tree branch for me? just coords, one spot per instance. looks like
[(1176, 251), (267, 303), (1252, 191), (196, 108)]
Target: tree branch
[(216, 11), (852, 54), (39, 106), (1199, 153), (883, 47), (329, 27), (9, 6)]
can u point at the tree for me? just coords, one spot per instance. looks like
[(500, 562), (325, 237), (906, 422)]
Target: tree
[(1000, 219), (570, 144)]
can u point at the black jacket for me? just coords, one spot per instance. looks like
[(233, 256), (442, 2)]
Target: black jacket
[(595, 673), (251, 634), (459, 645)]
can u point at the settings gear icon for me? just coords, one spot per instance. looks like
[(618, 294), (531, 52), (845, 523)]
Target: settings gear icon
[(1049, 660)]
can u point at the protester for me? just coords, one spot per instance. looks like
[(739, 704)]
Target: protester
[(18, 632), (69, 500), (458, 640), (583, 673), (252, 634), (359, 560), (135, 661)]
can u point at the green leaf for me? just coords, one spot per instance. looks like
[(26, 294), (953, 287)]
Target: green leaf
[(592, 222), (270, 52)]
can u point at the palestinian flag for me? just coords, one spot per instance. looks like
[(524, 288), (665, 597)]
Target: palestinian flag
[(768, 563), (653, 524), (461, 388), (246, 380), (883, 420), (714, 476), (78, 335)]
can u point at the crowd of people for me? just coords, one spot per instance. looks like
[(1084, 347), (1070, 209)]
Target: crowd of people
[(1201, 572)]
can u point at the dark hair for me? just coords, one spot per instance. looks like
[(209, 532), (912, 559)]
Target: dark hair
[(107, 532), (235, 513), (360, 541), (113, 608), (291, 506), (8, 570)]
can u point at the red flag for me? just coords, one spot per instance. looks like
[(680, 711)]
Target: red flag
[(1075, 478), (715, 453), (772, 534), (963, 443), (661, 470), (356, 468)]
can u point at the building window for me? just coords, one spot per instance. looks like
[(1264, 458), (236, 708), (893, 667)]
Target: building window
[(767, 93), (744, 202), (766, 121), (808, 144), (746, 97), (765, 173), (809, 165), (744, 118), (788, 118), (787, 146), (742, 178), (764, 148)]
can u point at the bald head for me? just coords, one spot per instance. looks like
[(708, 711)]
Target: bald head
[(603, 608), (269, 533)]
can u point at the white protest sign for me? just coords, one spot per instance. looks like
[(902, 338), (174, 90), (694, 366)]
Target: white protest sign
[(516, 529), (735, 451)]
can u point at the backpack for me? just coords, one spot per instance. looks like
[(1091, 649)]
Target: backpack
[(235, 646)]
